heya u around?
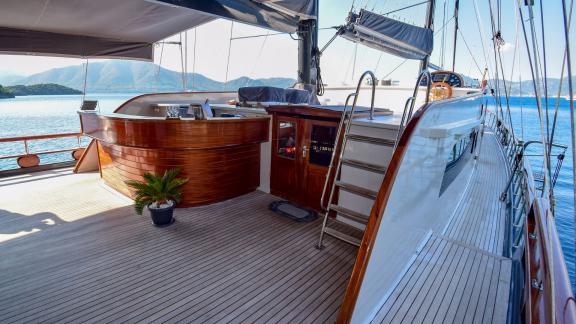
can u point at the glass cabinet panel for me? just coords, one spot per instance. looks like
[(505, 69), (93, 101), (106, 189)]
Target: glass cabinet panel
[(287, 139), (322, 144)]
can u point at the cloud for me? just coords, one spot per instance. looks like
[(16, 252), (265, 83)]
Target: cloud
[(507, 47)]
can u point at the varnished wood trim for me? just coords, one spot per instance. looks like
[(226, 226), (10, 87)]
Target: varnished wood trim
[(545, 265), (175, 134), (38, 137)]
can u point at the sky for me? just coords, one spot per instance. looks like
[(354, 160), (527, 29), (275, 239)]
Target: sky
[(276, 55)]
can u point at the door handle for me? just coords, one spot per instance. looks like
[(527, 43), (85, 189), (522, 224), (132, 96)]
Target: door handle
[(304, 149)]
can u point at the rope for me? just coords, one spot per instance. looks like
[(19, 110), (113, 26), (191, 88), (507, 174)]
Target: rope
[(228, 58)]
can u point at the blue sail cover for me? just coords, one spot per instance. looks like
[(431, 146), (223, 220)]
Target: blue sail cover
[(389, 35), (128, 28), (280, 15)]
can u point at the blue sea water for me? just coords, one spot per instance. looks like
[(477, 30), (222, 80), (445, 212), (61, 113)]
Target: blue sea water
[(39, 115)]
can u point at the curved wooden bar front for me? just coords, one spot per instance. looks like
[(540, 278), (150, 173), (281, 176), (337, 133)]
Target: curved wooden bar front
[(221, 157)]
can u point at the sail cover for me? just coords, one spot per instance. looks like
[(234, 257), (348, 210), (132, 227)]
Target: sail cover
[(128, 28), (389, 35)]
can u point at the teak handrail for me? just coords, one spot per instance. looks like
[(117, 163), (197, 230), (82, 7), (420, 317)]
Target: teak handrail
[(37, 137), (25, 139)]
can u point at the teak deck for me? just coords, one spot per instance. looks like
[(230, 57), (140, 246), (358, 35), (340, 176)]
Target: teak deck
[(71, 250), (232, 261), (460, 276)]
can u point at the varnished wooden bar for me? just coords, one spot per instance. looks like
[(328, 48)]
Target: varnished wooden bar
[(220, 157)]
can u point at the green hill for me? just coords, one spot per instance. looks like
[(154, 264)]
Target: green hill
[(41, 90), (136, 76), (4, 93)]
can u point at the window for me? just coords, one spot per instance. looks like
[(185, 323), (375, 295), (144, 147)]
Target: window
[(322, 144), (287, 139)]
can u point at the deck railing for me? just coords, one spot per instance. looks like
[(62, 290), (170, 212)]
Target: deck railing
[(533, 242), (31, 159)]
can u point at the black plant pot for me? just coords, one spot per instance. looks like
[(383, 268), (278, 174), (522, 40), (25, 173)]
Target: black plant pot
[(162, 217)]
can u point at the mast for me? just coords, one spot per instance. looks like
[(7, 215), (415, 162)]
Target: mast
[(456, 7), (429, 24), (307, 49)]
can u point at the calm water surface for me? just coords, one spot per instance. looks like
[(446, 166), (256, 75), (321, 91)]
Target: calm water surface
[(38, 115)]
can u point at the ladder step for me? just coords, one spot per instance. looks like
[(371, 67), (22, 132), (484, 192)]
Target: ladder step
[(341, 236), (350, 214), (357, 190), (369, 139), (364, 165)]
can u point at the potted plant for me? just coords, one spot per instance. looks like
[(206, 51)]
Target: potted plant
[(159, 193)]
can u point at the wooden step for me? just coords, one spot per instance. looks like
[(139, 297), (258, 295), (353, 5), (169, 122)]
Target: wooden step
[(350, 214), (365, 166), (371, 140), (341, 236), (357, 190)]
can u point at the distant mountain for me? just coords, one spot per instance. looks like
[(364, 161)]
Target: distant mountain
[(41, 90), (7, 77), (526, 88), (135, 76)]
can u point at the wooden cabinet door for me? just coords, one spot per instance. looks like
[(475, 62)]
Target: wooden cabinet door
[(286, 158), (318, 144)]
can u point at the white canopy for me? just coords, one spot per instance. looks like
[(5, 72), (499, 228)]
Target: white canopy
[(128, 28)]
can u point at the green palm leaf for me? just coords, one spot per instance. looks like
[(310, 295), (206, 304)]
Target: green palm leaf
[(156, 189)]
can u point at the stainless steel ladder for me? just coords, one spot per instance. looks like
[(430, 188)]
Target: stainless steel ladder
[(337, 184)]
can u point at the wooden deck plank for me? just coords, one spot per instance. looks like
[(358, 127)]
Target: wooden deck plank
[(218, 262), (461, 276), (480, 219)]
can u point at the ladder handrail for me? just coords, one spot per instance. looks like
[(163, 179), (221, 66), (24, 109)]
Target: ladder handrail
[(415, 93), (343, 146), (330, 167), (407, 114)]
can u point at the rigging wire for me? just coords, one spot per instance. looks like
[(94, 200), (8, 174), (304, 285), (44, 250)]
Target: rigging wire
[(443, 42), (159, 66), (535, 78), (393, 70), (194, 61), (228, 58), (251, 74), (571, 94), (545, 79), (85, 81), (407, 7), (552, 131), (482, 40), (186, 59), (495, 44), (470, 52), (182, 65), (521, 102), (538, 80)]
